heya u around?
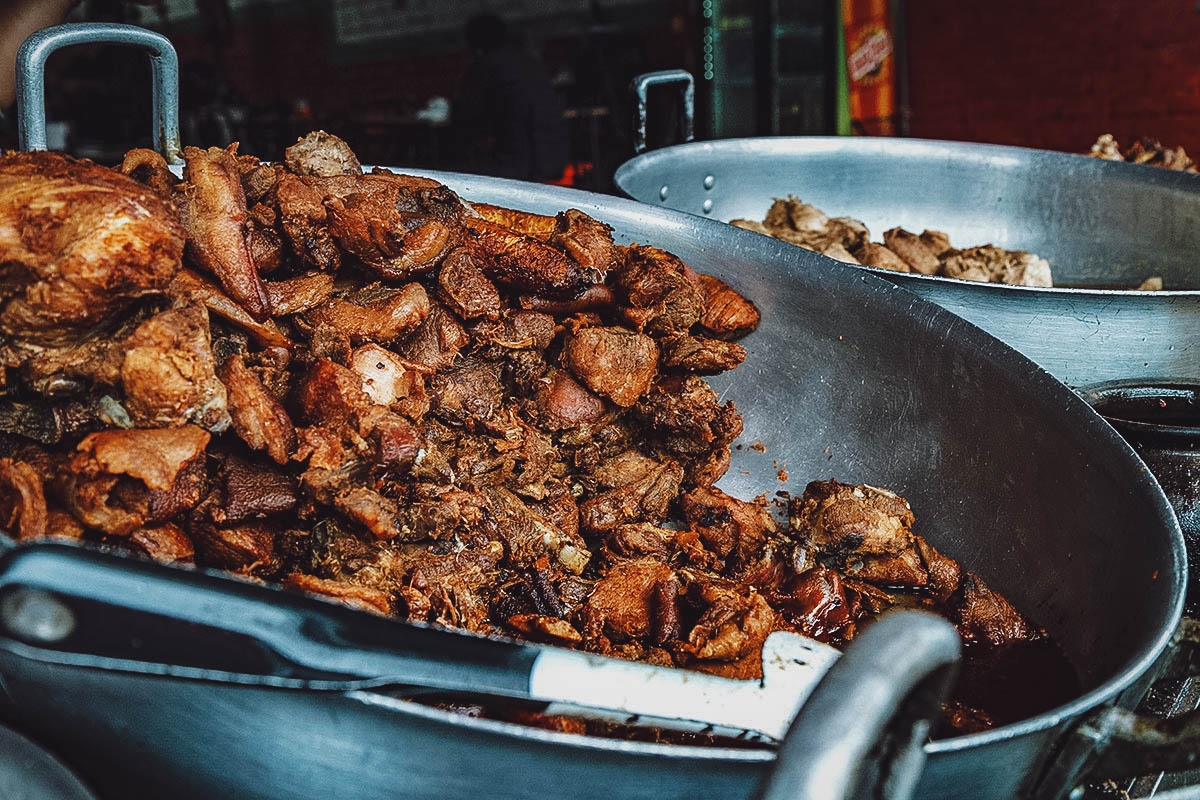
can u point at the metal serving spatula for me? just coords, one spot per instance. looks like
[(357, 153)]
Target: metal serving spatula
[(67, 604)]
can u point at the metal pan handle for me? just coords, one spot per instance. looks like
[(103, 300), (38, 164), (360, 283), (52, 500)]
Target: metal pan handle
[(862, 731), (641, 85), (164, 77)]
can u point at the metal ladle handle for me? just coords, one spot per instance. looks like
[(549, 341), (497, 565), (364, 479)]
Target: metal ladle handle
[(862, 732), (641, 85), (164, 78)]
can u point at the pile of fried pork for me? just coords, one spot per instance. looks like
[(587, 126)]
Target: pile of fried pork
[(361, 386), (848, 240), (1146, 150)]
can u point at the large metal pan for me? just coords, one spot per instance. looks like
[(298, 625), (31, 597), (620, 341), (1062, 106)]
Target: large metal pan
[(1099, 223), (848, 376)]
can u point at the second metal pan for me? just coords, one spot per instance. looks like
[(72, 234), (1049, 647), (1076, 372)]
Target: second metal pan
[(1098, 223)]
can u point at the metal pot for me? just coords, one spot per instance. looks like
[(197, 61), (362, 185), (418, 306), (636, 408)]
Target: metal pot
[(1162, 422), (848, 376), (1099, 224)]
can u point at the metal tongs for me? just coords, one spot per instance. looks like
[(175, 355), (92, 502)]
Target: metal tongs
[(66, 604)]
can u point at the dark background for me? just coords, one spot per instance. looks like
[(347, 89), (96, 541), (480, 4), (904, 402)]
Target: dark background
[(1026, 72)]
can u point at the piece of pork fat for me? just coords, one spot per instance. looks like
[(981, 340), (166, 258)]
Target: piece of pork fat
[(390, 380), (258, 418), (122, 480), (168, 373), (213, 207)]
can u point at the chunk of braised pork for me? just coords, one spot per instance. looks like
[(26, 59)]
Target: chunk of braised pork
[(646, 540), (727, 314), (452, 589), (436, 342), (321, 154), (528, 265), (587, 241), (527, 535), (734, 622), (643, 494), (252, 490), (463, 286), (245, 548), (363, 598), (188, 287), (122, 480), (373, 314), (304, 220), (168, 372), (841, 521), (701, 355), (22, 500), (212, 205), (149, 168), (815, 604), (562, 403), (466, 393), (79, 244), (659, 297), (395, 230), (166, 543), (298, 294), (685, 420), (613, 362), (984, 616), (731, 528), (266, 249), (332, 395), (624, 603)]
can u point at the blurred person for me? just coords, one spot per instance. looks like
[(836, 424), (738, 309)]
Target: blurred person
[(507, 113), (20, 18)]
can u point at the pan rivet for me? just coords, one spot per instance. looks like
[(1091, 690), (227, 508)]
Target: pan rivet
[(708, 181), (37, 616), (707, 206), (662, 193)]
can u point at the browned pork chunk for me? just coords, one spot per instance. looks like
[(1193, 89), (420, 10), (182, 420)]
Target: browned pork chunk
[(78, 243), (213, 206), (613, 362), (168, 372), (321, 154)]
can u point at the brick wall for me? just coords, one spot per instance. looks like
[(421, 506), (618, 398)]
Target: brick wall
[(1055, 75)]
